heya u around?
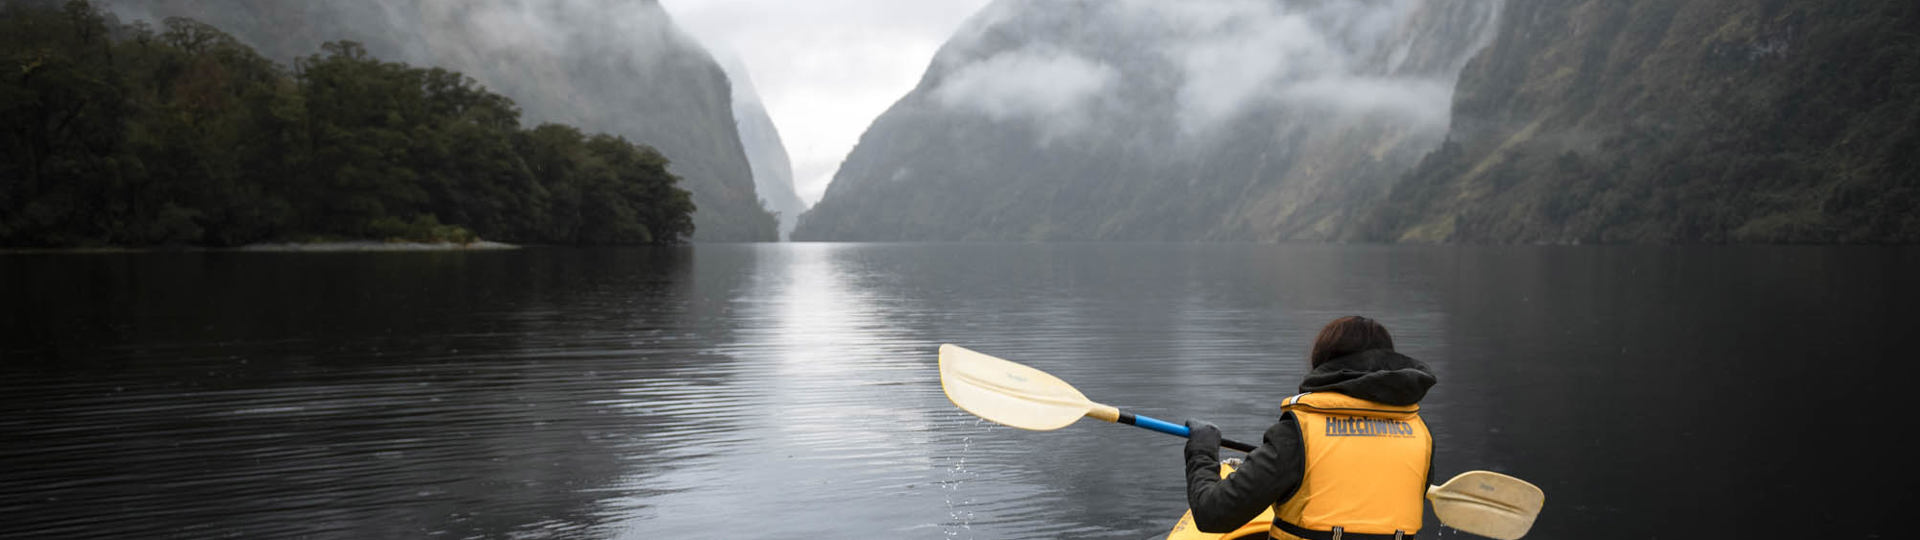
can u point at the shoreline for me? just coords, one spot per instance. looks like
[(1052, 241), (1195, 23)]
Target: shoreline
[(354, 246)]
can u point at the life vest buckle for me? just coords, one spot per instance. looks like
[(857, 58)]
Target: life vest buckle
[(1337, 531)]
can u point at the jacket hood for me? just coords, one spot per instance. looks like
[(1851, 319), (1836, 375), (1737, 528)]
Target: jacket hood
[(1378, 375)]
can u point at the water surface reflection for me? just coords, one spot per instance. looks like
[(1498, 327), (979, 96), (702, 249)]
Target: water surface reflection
[(791, 390)]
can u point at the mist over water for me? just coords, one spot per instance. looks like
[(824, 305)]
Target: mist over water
[(748, 391)]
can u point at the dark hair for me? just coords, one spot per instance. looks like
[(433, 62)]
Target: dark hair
[(1348, 335)]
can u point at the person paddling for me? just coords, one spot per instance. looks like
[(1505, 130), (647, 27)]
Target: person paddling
[(1349, 459)]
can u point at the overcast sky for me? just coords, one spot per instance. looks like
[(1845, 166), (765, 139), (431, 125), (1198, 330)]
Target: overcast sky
[(825, 68)]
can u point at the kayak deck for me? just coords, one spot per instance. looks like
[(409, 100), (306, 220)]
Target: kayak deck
[(1252, 530)]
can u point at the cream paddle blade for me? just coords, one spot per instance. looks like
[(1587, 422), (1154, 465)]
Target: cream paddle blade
[(1019, 396), (1488, 504), (1008, 393)]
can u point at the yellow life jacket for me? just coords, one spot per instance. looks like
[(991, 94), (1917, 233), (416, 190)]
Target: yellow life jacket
[(1366, 470)]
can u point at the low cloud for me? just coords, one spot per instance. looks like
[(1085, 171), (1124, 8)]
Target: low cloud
[(1423, 102), (1230, 62), (1208, 62), (1048, 85), (1339, 57)]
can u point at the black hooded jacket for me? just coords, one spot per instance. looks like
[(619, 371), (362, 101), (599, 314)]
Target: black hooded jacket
[(1272, 472)]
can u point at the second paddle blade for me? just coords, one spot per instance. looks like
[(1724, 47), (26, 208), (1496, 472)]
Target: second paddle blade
[(1488, 504)]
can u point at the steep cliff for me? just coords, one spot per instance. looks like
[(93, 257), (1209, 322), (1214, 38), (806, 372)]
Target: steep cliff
[(772, 169), (619, 67), (1669, 121), (1151, 120)]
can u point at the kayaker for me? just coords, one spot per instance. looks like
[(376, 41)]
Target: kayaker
[(1349, 459)]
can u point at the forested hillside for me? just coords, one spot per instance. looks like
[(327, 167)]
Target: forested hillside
[(1661, 121), (1153, 120), (1576, 121), (134, 135), (621, 67)]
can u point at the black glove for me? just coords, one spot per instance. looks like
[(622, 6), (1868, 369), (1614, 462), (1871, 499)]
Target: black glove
[(1204, 439)]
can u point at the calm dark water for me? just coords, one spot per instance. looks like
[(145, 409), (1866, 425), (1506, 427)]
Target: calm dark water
[(790, 391)]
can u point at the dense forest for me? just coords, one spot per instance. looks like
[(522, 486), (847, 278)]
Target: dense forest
[(130, 135), (620, 67), (1656, 121)]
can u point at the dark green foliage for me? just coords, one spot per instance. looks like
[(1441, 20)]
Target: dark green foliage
[(131, 135), (1656, 121), (597, 180), (423, 228)]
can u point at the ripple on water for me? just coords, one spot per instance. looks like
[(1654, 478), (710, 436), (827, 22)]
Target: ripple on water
[(729, 391)]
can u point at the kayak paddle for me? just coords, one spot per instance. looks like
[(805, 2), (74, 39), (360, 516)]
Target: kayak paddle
[(1019, 396), (1485, 503), (1488, 504)]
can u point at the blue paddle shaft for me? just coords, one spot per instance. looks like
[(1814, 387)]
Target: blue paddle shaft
[(1162, 426), (1177, 430)]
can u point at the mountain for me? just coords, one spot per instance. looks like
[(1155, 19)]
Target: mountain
[(772, 169), (612, 66), (1643, 121), (1153, 120)]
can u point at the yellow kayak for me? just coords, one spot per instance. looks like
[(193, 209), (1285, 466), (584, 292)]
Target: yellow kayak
[(1485, 503), (1253, 530)]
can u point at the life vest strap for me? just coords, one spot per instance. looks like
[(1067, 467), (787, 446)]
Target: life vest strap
[(1311, 534)]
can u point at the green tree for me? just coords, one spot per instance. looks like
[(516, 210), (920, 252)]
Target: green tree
[(128, 135), (61, 102)]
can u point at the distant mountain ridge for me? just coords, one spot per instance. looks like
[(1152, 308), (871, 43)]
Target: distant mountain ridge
[(1660, 121), (1552, 121), (772, 168), (1146, 120), (619, 67)]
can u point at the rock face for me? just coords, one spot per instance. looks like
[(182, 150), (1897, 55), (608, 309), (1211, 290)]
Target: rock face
[(1152, 120), (1678, 121), (613, 66), (772, 169)]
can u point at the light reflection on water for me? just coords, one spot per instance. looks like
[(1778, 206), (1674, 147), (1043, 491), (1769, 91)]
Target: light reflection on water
[(791, 390), (829, 402)]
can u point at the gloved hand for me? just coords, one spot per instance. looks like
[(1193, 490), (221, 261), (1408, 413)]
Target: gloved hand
[(1204, 439)]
